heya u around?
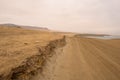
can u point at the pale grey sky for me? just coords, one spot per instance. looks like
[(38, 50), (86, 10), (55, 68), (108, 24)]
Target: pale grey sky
[(83, 16)]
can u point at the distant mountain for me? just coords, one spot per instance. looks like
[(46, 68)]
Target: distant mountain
[(22, 26), (9, 25)]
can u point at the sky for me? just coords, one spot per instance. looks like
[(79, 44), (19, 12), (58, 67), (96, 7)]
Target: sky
[(81, 16)]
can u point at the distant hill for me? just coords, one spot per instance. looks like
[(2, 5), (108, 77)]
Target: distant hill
[(9, 25), (22, 26), (100, 35)]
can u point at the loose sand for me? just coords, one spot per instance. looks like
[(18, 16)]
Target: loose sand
[(85, 59)]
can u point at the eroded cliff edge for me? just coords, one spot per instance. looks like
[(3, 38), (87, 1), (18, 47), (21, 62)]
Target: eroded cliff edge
[(33, 64)]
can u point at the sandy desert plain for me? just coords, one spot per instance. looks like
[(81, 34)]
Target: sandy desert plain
[(27, 54)]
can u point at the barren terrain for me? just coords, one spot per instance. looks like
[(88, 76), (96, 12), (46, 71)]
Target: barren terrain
[(46, 55), (23, 52)]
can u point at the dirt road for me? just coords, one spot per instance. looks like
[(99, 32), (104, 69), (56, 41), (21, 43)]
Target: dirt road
[(85, 59)]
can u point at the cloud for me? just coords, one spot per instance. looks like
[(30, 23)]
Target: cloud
[(92, 16)]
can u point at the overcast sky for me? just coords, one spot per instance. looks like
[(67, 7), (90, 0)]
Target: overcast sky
[(83, 16)]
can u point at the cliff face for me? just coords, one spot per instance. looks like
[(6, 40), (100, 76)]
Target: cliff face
[(33, 64), (24, 52)]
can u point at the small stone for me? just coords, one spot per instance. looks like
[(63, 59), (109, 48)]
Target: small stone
[(26, 43)]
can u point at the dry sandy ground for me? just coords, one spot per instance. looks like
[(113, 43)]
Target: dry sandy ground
[(23, 51), (85, 59)]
